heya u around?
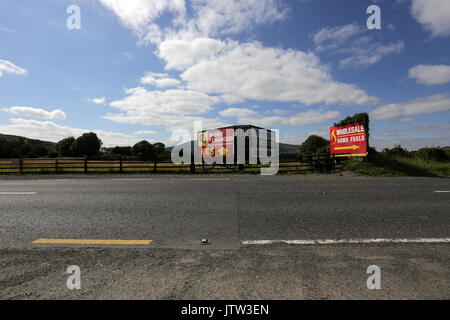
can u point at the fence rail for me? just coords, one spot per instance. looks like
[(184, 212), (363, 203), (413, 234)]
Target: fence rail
[(311, 163)]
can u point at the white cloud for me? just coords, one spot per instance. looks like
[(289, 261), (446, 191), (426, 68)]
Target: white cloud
[(160, 80), (9, 67), (50, 131), (225, 71), (366, 55), (145, 132), (443, 129), (312, 117), (140, 15), (329, 38), (247, 116), (232, 99), (299, 139), (406, 120), (233, 16), (279, 111), (362, 50), (5, 29), (436, 103), (292, 139), (430, 74), (36, 112), (101, 100), (180, 54), (209, 17), (173, 108), (433, 15), (252, 71), (128, 55), (237, 112)]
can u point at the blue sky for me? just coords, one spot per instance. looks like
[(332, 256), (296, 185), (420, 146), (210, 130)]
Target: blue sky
[(140, 69)]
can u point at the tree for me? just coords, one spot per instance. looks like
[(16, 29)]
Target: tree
[(397, 151), (433, 154), (25, 150), (4, 148), (144, 150), (86, 145), (10, 148), (123, 151), (40, 151), (313, 144), (361, 118), (160, 149), (64, 147)]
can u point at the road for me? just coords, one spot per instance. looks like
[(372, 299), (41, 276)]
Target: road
[(236, 213)]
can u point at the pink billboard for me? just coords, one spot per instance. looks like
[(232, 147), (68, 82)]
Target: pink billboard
[(216, 143)]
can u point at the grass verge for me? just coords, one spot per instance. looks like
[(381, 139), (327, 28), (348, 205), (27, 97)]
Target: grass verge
[(381, 166)]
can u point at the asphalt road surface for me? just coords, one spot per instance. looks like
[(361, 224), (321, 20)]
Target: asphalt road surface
[(243, 217)]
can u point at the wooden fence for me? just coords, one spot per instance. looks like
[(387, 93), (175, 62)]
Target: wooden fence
[(292, 163)]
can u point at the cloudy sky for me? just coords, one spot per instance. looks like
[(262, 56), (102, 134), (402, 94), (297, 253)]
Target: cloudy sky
[(140, 69)]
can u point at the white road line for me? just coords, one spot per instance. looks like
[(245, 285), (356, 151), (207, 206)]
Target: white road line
[(350, 241), (131, 179), (16, 193), (442, 191), (210, 179), (54, 180)]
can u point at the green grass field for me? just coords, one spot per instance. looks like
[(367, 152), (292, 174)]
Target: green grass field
[(399, 167)]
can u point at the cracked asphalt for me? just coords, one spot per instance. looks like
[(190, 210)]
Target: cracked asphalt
[(176, 212)]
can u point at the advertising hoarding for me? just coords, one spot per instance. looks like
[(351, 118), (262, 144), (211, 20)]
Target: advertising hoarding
[(349, 140), (216, 143)]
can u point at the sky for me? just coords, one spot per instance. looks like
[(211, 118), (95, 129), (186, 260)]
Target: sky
[(140, 69)]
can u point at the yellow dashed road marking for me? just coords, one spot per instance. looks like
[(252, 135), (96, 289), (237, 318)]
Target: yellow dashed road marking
[(92, 241)]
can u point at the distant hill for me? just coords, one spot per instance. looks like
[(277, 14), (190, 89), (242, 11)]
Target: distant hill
[(446, 148), (289, 148), (33, 142)]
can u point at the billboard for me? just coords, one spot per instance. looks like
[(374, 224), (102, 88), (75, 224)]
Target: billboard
[(216, 143), (349, 140)]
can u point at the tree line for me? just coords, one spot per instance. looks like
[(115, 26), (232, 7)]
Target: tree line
[(316, 145), (22, 148), (86, 145), (89, 145)]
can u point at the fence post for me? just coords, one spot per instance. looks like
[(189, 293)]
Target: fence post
[(56, 165), (85, 165), (121, 164), (312, 164), (334, 163), (21, 165), (154, 165)]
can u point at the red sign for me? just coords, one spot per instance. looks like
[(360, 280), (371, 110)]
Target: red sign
[(216, 143), (350, 140)]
